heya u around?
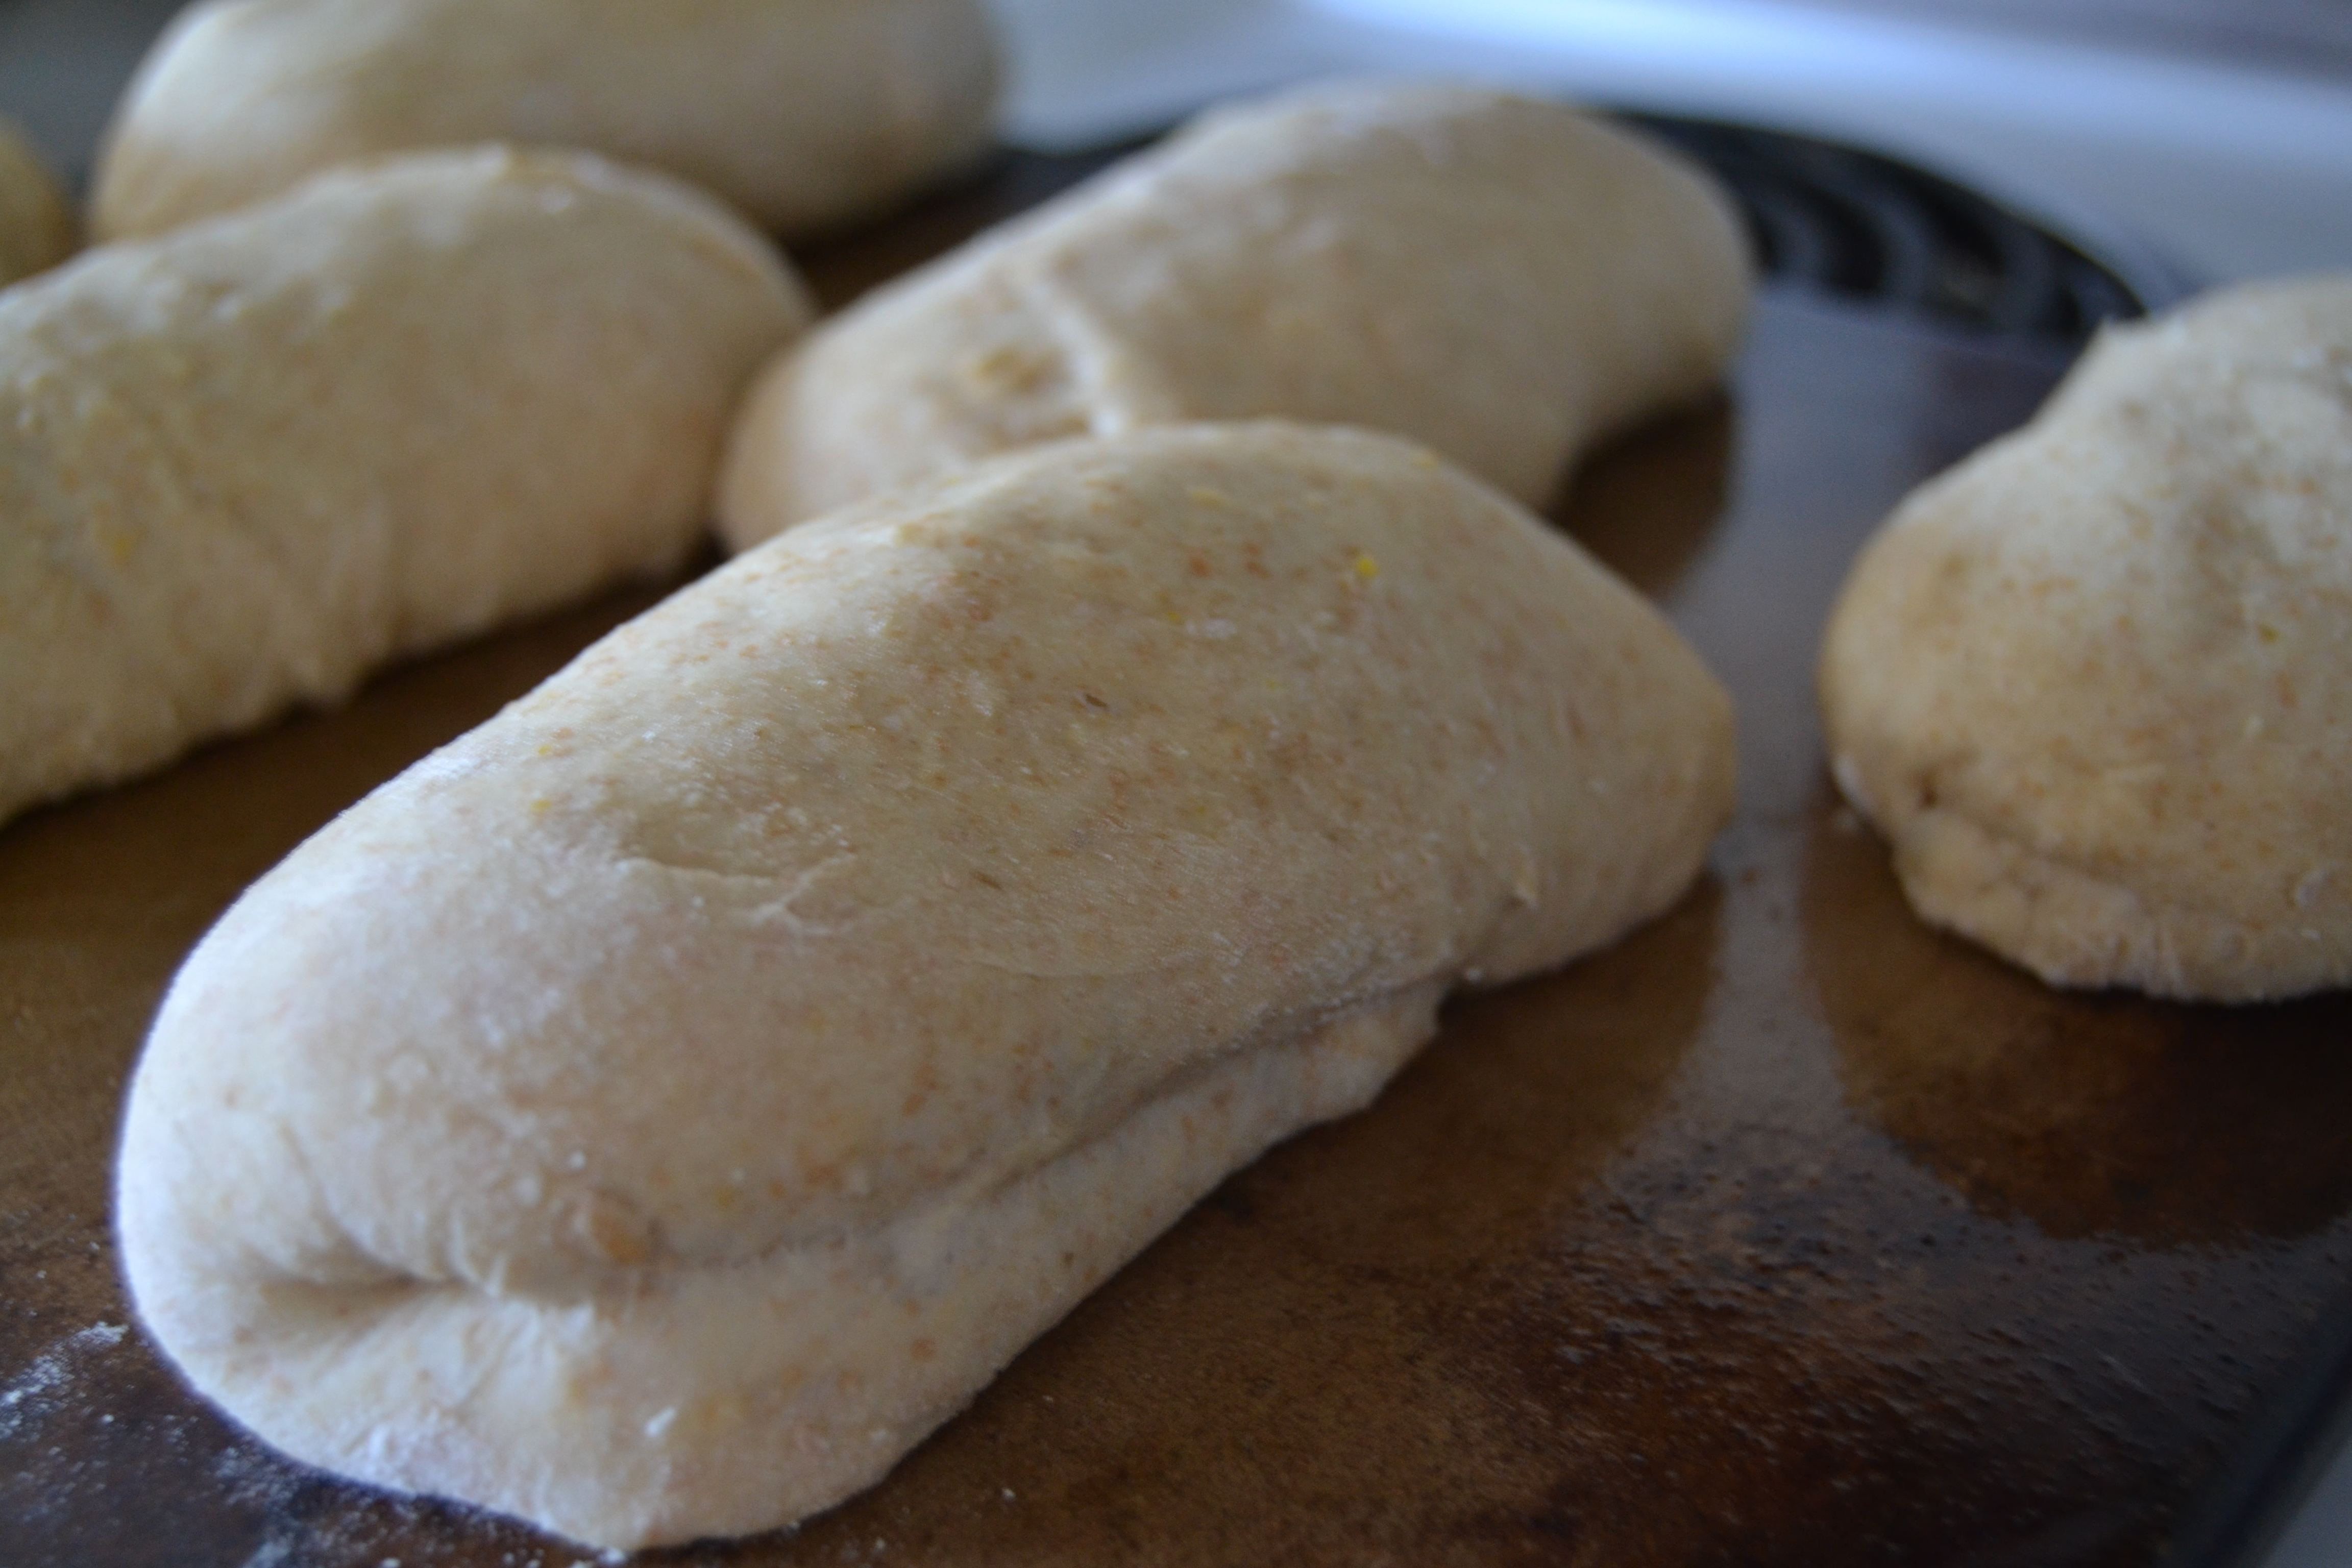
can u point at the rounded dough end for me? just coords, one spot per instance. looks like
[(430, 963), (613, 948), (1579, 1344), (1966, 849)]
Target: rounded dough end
[(246, 464), (801, 114), (2096, 684), (1501, 277)]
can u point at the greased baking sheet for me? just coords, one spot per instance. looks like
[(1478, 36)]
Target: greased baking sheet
[(1785, 1232)]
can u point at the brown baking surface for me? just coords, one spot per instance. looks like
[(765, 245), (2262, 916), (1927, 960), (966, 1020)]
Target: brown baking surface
[(1786, 1231)]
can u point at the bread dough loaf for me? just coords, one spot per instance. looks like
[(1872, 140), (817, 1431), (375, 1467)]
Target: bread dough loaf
[(2096, 682), (803, 113), (1498, 277), (657, 1111), (36, 227), (243, 466)]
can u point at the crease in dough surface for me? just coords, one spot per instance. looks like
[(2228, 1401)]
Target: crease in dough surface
[(2096, 683), (1501, 278), (1132, 832)]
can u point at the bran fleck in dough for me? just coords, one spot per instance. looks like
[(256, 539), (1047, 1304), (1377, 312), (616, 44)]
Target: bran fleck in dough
[(656, 1111), (2096, 683)]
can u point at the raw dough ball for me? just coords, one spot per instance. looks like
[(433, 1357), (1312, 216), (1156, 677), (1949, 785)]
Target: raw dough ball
[(803, 113), (1498, 277), (243, 466), (656, 1111), (36, 227), (2096, 682)]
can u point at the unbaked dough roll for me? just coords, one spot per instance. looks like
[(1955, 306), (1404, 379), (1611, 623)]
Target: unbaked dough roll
[(244, 466), (803, 113), (657, 1111), (1501, 278), (37, 225), (2096, 682)]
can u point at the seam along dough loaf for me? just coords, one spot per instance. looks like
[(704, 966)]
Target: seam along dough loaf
[(2096, 683), (657, 1111), (803, 114), (1500, 277), (244, 464)]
